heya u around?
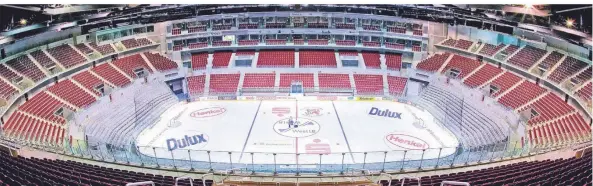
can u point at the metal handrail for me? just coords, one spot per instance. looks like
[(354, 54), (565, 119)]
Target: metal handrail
[(411, 178), (140, 183), (386, 175), (455, 183), (191, 180)]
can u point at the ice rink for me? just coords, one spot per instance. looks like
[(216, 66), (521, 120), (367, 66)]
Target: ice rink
[(290, 127)]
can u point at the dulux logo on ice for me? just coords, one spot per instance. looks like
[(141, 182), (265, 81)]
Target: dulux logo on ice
[(188, 140), (385, 113)]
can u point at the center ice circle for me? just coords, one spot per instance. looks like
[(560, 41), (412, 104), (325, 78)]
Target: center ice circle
[(296, 128)]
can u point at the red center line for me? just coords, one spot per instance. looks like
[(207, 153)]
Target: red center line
[(297, 138)]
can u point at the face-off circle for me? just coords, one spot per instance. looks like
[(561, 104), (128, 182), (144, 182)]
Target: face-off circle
[(296, 128)]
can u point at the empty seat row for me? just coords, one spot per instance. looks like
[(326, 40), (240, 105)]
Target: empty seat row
[(329, 82), (521, 95), (8, 74), (433, 63), (72, 93), (490, 50), (372, 60), (196, 84), (393, 61), (66, 55), (103, 49), (345, 26), (567, 68), (259, 80), (43, 59), (131, 64), (89, 81), (31, 129), (83, 48), (286, 79), (551, 60), (345, 42), (160, 62), (505, 82), (368, 84), (527, 57), (45, 106), (276, 58), (25, 66), (548, 107), (396, 85), (482, 76), (317, 59), (6, 91), (463, 64), (224, 83), (199, 61), (110, 74), (221, 59), (585, 92)]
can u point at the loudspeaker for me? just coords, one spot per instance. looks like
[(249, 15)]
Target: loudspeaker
[(2, 54)]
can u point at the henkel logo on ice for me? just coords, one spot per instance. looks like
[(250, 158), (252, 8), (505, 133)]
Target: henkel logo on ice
[(197, 141), (385, 113), (312, 111), (406, 141), (207, 112)]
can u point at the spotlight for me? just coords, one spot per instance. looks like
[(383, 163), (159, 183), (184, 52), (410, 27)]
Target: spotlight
[(23, 21), (569, 22)]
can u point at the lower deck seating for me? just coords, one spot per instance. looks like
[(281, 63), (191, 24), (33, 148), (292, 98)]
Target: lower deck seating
[(45, 106), (521, 94), (196, 84), (259, 80), (72, 93), (199, 61), (224, 83), (368, 84), (463, 64), (330, 82), (24, 127), (548, 107), (504, 82), (372, 60), (109, 73), (89, 81), (482, 76), (317, 59), (160, 62), (18, 170), (571, 171), (276, 58), (396, 85), (221, 59), (307, 79), (130, 64), (433, 63)]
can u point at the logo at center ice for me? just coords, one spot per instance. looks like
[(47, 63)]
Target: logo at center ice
[(296, 128)]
